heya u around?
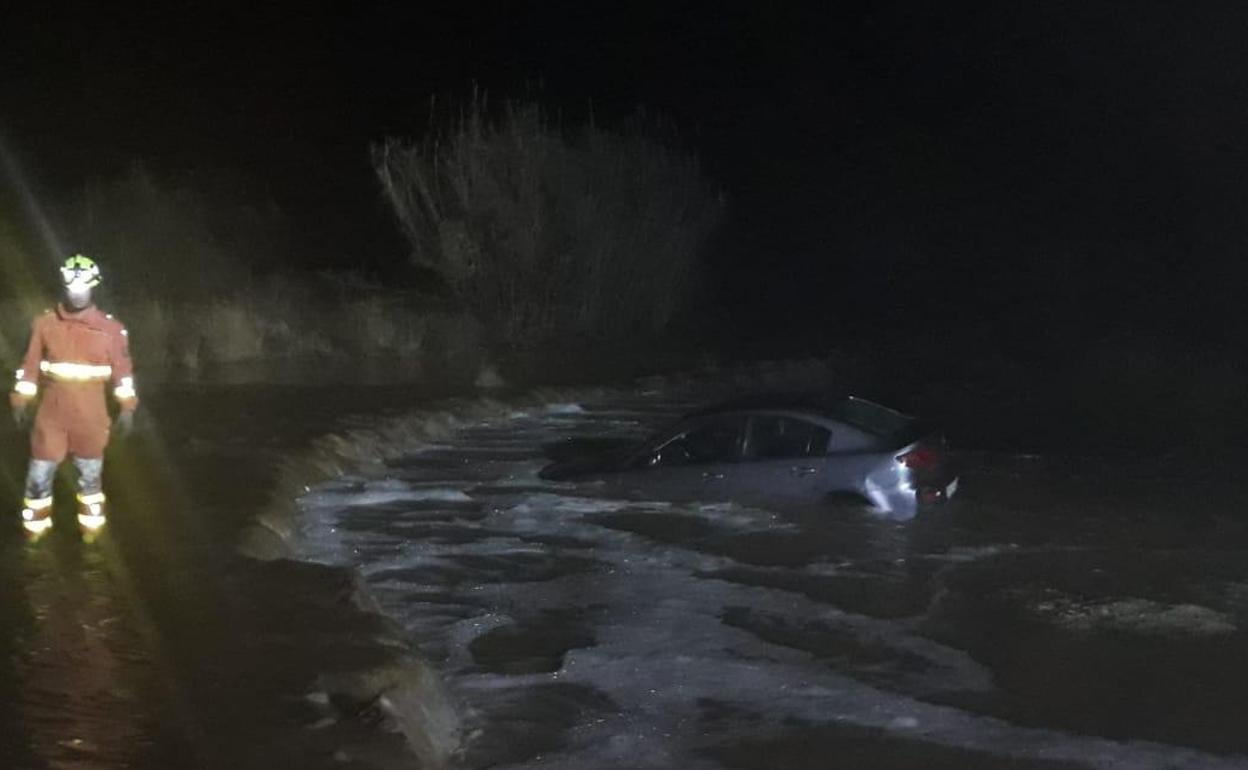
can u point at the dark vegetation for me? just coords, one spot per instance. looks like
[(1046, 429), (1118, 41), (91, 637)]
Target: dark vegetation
[(566, 251), (549, 234), (523, 234)]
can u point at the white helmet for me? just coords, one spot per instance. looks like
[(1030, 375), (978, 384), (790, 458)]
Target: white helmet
[(80, 273)]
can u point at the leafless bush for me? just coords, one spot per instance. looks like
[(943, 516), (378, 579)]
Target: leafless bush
[(548, 235), (281, 323), (179, 261)]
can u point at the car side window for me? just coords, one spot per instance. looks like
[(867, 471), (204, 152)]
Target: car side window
[(774, 437), (715, 441)]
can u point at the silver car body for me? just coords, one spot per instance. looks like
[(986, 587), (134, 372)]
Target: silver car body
[(762, 453)]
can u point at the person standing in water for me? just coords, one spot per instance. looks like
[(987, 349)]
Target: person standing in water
[(75, 352)]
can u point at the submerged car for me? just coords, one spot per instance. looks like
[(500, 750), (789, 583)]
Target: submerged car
[(779, 450)]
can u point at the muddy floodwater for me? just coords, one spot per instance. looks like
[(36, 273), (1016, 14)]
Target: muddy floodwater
[(1066, 612)]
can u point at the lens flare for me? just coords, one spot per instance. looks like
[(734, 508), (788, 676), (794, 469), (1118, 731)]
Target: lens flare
[(30, 202)]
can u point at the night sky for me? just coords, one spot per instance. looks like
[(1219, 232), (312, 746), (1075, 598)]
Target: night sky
[(1050, 170)]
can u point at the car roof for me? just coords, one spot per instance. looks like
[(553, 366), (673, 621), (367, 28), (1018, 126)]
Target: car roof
[(852, 410)]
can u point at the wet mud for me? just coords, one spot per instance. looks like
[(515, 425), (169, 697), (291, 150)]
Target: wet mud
[(80, 683), (134, 651)]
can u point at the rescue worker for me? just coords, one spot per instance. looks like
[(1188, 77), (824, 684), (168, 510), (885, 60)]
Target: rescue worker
[(75, 351)]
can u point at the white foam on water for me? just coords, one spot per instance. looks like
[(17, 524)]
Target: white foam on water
[(1132, 615), (377, 492), (964, 553), (565, 505), (564, 409), (657, 634)]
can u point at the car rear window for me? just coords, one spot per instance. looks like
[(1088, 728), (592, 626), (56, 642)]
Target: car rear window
[(773, 436), (872, 418)]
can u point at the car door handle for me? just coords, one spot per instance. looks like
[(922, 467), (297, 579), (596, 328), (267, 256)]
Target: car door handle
[(803, 471), (710, 476)]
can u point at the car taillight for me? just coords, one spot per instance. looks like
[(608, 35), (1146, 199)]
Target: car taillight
[(921, 458)]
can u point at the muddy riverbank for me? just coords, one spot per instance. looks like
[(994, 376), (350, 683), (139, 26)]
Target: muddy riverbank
[(158, 646)]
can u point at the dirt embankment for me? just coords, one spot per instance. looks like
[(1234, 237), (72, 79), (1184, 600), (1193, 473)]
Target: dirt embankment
[(335, 682), (204, 657)]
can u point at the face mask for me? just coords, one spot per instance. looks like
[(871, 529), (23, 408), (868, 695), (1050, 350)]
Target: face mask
[(76, 298)]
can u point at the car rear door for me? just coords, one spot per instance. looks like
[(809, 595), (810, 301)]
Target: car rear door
[(785, 458)]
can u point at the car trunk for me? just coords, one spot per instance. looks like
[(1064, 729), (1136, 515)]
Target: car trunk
[(920, 449)]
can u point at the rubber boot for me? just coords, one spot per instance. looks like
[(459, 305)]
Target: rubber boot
[(36, 516), (91, 516), (90, 494), (37, 507)]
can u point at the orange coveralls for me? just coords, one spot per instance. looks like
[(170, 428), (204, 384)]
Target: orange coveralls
[(71, 356)]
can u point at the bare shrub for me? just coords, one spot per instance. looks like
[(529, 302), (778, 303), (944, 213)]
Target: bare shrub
[(280, 324), (379, 323), (548, 235), (233, 331), (180, 265)]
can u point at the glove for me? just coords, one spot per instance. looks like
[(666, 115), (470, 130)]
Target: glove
[(21, 416), (124, 424)]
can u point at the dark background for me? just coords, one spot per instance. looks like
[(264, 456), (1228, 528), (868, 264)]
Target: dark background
[(1034, 176)]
